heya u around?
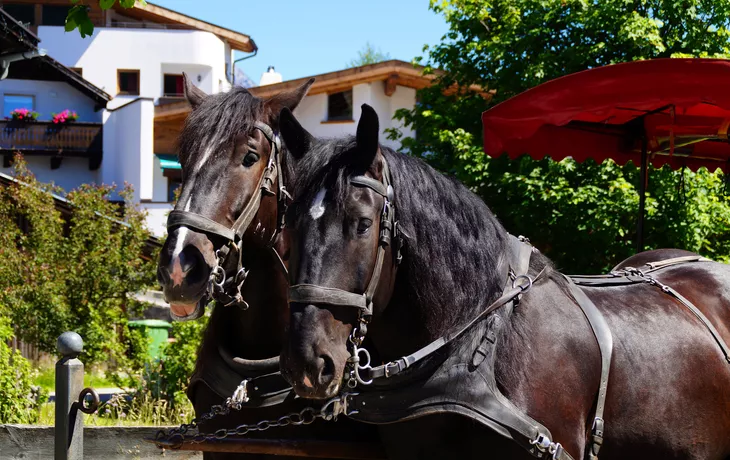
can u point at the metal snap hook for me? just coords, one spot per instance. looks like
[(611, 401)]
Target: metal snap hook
[(218, 276)]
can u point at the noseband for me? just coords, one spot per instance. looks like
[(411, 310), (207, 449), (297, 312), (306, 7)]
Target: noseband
[(228, 291), (322, 295)]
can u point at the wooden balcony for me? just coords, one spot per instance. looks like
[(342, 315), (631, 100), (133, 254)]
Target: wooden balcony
[(80, 140)]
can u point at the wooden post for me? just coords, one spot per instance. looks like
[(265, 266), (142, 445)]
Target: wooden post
[(69, 430), (642, 195)]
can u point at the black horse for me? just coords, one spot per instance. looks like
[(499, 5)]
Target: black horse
[(389, 250), (228, 153)]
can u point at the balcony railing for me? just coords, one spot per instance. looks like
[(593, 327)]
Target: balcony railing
[(58, 140)]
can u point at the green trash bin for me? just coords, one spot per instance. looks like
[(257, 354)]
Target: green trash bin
[(158, 333)]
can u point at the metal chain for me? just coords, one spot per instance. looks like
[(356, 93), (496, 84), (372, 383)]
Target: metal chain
[(175, 437)]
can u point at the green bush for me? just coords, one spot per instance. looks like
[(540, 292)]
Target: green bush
[(20, 401), (180, 356), (74, 274)]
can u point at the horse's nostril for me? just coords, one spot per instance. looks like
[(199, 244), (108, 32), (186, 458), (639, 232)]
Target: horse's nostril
[(163, 275), (327, 370)]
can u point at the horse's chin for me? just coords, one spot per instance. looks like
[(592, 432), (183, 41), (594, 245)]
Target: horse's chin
[(188, 311)]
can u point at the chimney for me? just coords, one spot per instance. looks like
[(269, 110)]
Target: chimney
[(270, 77)]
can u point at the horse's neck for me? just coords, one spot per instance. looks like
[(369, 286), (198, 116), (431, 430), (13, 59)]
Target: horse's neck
[(451, 262), (255, 333)]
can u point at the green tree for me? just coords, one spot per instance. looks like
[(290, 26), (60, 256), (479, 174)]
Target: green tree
[(368, 55), (76, 274), (78, 15), (581, 215)]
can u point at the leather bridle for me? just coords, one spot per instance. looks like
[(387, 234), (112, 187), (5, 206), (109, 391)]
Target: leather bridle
[(329, 296), (228, 290)]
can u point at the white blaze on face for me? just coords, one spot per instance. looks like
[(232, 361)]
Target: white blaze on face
[(317, 209), (202, 161), (181, 234)]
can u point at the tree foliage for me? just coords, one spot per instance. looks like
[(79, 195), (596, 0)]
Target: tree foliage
[(368, 55), (581, 215), (71, 275), (78, 15)]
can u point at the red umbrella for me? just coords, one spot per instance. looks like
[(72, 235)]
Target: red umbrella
[(661, 111)]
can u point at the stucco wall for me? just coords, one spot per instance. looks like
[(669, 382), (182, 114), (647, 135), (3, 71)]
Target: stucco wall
[(52, 96), (312, 111), (157, 217), (128, 152), (109, 49), (72, 173)]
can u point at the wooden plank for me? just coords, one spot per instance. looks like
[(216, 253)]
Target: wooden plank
[(292, 448), (108, 443)]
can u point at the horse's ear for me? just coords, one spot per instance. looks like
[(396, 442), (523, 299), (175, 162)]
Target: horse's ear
[(286, 100), (297, 139), (368, 131), (193, 94)]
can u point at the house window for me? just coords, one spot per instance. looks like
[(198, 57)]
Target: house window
[(78, 70), (17, 101), (54, 15), (128, 82), (339, 106), (173, 85), (22, 13)]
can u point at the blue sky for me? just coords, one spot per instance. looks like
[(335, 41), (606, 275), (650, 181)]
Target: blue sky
[(302, 38)]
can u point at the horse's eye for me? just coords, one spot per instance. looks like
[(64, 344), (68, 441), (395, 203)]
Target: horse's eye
[(363, 226), (250, 158)]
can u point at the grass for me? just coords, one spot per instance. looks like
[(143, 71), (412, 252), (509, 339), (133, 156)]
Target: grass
[(147, 415), (46, 379)]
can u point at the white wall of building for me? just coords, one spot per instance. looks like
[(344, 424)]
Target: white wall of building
[(148, 50), (72, 173), (52, 96), (157, 217), (312, 112), (159, 182), (128, 148)]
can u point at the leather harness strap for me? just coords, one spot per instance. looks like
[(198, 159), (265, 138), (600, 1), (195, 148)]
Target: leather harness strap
[(603, 336)]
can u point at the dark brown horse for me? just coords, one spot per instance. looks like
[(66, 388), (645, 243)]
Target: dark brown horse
[(226, 148), (669, 384)]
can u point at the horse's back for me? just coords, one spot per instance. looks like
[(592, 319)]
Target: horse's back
[(667, 367)]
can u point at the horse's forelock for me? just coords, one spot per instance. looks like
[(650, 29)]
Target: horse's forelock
[(217, 121)]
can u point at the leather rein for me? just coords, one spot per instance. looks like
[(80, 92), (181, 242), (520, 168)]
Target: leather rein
[(227, 290)]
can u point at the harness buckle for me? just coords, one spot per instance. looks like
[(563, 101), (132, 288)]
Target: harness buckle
[(524, 286), (596, 438)]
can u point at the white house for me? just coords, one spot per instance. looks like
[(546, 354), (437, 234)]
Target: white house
[(137, 56), (134, 61), (67, 155)]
